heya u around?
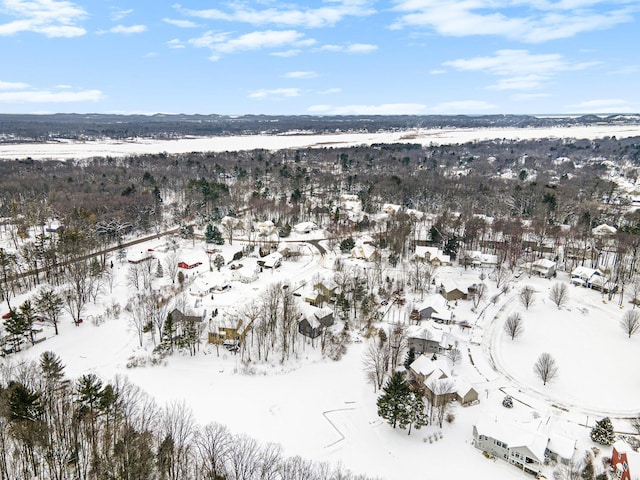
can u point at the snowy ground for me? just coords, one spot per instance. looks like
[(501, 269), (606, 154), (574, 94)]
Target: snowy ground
[(64, 149), (325, 410)]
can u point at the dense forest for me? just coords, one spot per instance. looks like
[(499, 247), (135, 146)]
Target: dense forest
[(37, 128)]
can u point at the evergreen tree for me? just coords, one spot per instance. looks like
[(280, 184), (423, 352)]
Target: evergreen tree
[(602, 433), (414, 414), (159, 270), (16, 327), (411, 357), (49, 304), (347, 244), (168, 333), (393, 403), (28, 317), (213, 235)]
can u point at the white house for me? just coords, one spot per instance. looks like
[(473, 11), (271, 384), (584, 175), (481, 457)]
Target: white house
[(433, 255), (524, 444), (544, 267), (305, 227)]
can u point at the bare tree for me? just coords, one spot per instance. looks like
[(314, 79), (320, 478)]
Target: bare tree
[(375, 362), (559, 294), (526, 296), (213, 444), (479, 293), (513, 325), (630, 322), (171, 265), (439, 394), (545, 368), (454, 356), (397, 343), (501, 275)]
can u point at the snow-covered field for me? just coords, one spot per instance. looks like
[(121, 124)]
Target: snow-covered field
[(65, 149), (326, 410)]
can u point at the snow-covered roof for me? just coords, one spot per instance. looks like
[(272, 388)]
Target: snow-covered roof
[(424, 366), (437, 302), (513, 434), (304, 227), (451, 285), (604, 229), (544, 263), (584, 273), (390, 208), (365, 251)]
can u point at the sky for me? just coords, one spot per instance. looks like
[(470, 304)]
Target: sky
[(323, 57)]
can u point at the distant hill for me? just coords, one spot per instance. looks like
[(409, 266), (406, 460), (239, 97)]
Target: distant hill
[(14, 127)]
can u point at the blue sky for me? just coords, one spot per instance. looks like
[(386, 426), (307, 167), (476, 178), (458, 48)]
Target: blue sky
[(320, 57)]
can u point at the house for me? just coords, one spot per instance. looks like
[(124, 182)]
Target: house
[(583, 275), (436, 305), (266, 228), (273, 260), (433, 255), (527, 445), (452, 291), (390, 208), (140, 256), (424, 368), (323, 291), (245, 272), (365, 251), (625, 461), (544, 268), (315, 321), (483, 260), (305, 227), (208, 282), (465, 394), (189, 264), (434, 379), (602, 284), (228, 331), (604, 230), (428, 339)]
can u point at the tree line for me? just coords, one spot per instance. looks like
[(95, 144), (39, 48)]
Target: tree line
[(56, 427)]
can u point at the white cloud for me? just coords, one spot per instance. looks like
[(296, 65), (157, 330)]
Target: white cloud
[(119, 14), (175, 43), (383, 109), (275, 94), (151, 55), (350, 48), (437, 71), (121, 29), (626, 70), (463, 106), (51, 18), (300, 74), (532, 21), (48, 96), (180, 23), (13, 85), (287, 53), (220, 43), (521, 70), (288, 16), (606, 105)]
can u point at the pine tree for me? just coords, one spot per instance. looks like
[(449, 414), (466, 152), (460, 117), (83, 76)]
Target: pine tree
[(602, 433), (16, 326), (392, 404), (411, 357), (159, 270), (414, 414)]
